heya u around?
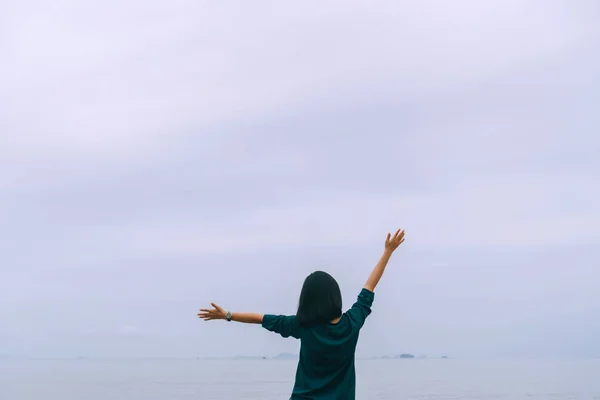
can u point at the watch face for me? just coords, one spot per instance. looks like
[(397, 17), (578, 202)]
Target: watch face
[(228, 316)]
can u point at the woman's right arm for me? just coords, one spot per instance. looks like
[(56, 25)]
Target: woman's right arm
[(391, 244), (361, 309)]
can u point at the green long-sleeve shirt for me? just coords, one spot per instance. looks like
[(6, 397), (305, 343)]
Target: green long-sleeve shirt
[(326, 365)]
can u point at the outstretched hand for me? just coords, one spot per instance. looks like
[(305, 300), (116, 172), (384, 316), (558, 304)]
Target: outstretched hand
[(392, 242), (209, 314)]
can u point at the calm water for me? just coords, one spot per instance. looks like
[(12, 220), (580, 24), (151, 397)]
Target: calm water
[(270, 380)]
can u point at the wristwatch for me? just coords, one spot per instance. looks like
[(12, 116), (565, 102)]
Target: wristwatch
[(228, 316)]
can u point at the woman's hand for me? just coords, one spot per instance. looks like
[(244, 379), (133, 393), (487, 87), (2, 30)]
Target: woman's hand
[(216, 312), (392, 243)]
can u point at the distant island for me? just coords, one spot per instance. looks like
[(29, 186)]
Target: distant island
[(401, 356), (387, 357), (292, 356), (249, 358), (285, 356), (280, 356)]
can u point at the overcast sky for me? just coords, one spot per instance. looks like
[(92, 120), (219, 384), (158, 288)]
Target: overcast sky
[(156, 156)]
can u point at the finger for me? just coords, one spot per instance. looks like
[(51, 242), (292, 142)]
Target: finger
[(397, 233), (218, 308), (205, 310), (389, 236), (401, 234)]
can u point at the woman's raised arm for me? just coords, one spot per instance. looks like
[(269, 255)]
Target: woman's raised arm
[(391, 244)]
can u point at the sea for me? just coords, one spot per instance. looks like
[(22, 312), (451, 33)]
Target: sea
[(394, 379)]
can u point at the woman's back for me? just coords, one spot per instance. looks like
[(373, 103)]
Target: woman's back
[(326, 365)]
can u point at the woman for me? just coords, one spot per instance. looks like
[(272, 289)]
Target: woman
[(327, 337)]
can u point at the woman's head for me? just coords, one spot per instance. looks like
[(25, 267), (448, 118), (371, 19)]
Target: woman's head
[(320, 300)]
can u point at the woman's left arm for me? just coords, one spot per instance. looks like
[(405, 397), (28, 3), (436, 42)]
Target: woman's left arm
[(285, 325), (217, 312), (247, 318)]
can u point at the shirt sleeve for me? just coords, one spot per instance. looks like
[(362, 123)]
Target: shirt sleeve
[(360, 310), (285, 325)]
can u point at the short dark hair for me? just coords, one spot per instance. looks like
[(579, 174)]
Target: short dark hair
[(320, 300)]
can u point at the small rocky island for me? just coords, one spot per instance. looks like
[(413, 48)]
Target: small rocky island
[(249, 358), (285, 356), (291, 356)]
